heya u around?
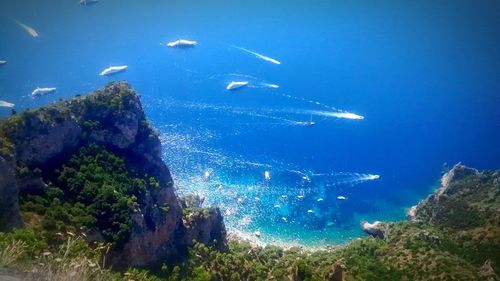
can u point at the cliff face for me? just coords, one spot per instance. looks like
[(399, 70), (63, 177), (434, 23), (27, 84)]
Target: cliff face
[(465, 199), (39, 141)]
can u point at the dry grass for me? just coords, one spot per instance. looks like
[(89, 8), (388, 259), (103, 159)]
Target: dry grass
[(11, 252), (66, 266)]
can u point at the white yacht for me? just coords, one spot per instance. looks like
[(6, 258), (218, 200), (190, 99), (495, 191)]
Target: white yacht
[(182, 43), (236, 85), (113, 69), (42, 91)]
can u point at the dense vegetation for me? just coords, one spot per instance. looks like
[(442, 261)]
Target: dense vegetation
[(412, 251), (94, 190)]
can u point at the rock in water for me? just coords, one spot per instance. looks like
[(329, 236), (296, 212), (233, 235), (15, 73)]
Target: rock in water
[(375, 229)]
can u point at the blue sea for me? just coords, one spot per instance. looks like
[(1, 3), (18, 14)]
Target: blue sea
[(420, 81)]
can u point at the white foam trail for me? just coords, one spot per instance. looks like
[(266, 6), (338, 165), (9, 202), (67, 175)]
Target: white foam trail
[(6, 104), (28, 29), (345, 178), (315, 103), (260, 56), (268, 85), (282, 121), (338, 114), (254, 82), (254, 114)]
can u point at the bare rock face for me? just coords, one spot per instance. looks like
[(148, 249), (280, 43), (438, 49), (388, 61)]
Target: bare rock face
[(337, 273), (113, 118), (206, 226), (376, 229)]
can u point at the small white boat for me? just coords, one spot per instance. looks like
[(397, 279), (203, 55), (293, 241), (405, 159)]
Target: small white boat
[(300, 197), (113, 69), (236, 85), (42, 91), (309, 211), (2, 62), (6, 104), (320, 200), (341, 198), (88, 2), (284, 219), (182, 43), (267, 175), (277, 206)]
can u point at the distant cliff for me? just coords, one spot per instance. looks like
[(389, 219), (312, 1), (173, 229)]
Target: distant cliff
[(466, 199), (106, 128)]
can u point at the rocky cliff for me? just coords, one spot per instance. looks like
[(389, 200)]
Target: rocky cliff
[(466, 199), (38, 142)]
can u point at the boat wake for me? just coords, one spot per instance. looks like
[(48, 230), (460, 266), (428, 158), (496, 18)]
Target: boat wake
[(257, 55)]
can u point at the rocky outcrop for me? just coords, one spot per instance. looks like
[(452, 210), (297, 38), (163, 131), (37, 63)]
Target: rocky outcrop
[(466, 198), (376, 229), (337, 272), (41, 140), (205, 225)]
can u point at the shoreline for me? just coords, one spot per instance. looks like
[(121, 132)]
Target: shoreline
[(256, 242)]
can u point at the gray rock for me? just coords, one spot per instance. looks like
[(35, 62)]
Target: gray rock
[(376, 229)]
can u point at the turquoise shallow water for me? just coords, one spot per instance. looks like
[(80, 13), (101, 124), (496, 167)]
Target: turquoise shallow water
[(425, 77)]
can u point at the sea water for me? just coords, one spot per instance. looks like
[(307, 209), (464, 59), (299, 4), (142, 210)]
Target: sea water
[(394, 89)]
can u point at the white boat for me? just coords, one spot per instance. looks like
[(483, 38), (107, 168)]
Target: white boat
[(42, 91), (309, 211), (341, 198), (182, 43), (113, 69), (88, 2), (6, 104), (2, 62), (236, 85), (267, 175)]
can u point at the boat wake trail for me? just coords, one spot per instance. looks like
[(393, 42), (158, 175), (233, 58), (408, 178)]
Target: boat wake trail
[(253, 82), (245, 112), (260, 56), (31, 31), (336, 114)]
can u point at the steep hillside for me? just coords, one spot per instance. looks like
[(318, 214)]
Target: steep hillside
[(92, 165)]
